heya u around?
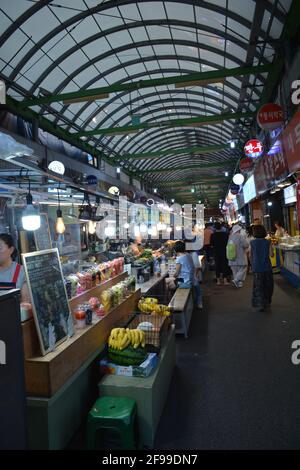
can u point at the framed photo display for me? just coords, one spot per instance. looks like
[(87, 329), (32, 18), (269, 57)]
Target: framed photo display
[(50, 304)]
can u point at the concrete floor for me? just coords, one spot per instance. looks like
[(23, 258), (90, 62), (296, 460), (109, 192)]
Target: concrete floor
[(234, 386)]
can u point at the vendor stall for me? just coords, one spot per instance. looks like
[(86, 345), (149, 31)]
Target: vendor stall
[(288, 259)]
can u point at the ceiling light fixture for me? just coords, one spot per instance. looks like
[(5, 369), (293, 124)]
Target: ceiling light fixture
[(31, 219)]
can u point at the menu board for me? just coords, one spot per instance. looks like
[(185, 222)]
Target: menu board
[(42, 235), (48, 296)]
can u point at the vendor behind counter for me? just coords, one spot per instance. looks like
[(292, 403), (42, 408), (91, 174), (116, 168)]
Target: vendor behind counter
[(12, 274)]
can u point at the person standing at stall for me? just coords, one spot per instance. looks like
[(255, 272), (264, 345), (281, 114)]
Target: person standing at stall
[(280, 231), (12, 274), (260, 252)]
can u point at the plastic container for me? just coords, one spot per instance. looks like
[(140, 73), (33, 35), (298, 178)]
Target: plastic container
[(80, 315)]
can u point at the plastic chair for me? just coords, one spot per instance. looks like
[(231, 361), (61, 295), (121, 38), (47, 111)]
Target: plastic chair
[(112, 418)]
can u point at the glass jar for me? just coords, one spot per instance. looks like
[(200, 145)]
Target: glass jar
[(80, 315)]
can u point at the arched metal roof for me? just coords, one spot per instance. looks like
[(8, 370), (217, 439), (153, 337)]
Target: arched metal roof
[(49, 48)]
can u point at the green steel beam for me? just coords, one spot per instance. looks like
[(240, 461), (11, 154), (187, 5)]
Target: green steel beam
[(183, 183), (91, 93), (195, 167), (150, 155), (190, 122)]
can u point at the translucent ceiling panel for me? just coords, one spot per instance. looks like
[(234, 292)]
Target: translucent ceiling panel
[(53, 79), (74, 61), (85, 29), (40, 24), (139, 34), (37, 66), (109, 18), (5, 23), (119, 39), (211, 57), (130, 12), (67, 8), (244, 9), (183, 33), (158, 32), (176, 10), (189, 65), (97, 48), (135, 69), (14, 9), (10, 48), (24, 82), (238, 30), (152, 10)]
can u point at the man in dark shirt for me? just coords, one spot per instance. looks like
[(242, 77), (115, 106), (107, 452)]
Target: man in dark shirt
[(219, 241)]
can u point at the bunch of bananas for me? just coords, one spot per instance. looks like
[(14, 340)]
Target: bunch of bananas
[(151, 305), (161, 309), (121, 338), (146, 305)]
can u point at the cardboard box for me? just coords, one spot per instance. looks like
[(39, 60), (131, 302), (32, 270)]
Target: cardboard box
[(143, 370)]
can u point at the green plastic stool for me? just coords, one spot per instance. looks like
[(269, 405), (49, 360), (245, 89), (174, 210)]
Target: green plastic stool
[(112, 416)]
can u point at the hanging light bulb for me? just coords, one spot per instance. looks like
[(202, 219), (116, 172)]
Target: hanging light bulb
[(238, 179), (31, 219), (110, 231), (59, 225), (169, 229), (91, 227), (136, 231), (152, 231), (143, 227), (126, 225)]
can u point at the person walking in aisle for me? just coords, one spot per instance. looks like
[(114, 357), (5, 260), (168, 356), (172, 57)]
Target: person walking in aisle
[(219, 241), (263, 284), (240, 262), (206, 243)]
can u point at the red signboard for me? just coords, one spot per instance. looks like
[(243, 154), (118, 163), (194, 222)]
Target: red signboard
[(270, 116), (253, 148), (291, 143), (246, 164)]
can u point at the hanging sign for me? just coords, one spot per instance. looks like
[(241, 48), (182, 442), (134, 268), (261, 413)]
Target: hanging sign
[(246, 164), (270, 116), (92, 180), (253, 148)]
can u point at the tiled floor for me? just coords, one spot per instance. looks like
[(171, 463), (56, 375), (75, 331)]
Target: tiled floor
[(234, 386)]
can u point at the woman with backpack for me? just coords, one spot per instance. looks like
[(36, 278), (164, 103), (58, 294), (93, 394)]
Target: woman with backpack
[(236, 251), (260, 252)]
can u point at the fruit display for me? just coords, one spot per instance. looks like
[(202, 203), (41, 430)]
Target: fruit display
[(115, 295), (121, 338), (84, 280), (128, 356), (150, 305)]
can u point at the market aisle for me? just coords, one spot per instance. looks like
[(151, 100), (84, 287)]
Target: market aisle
[(234, 386)]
